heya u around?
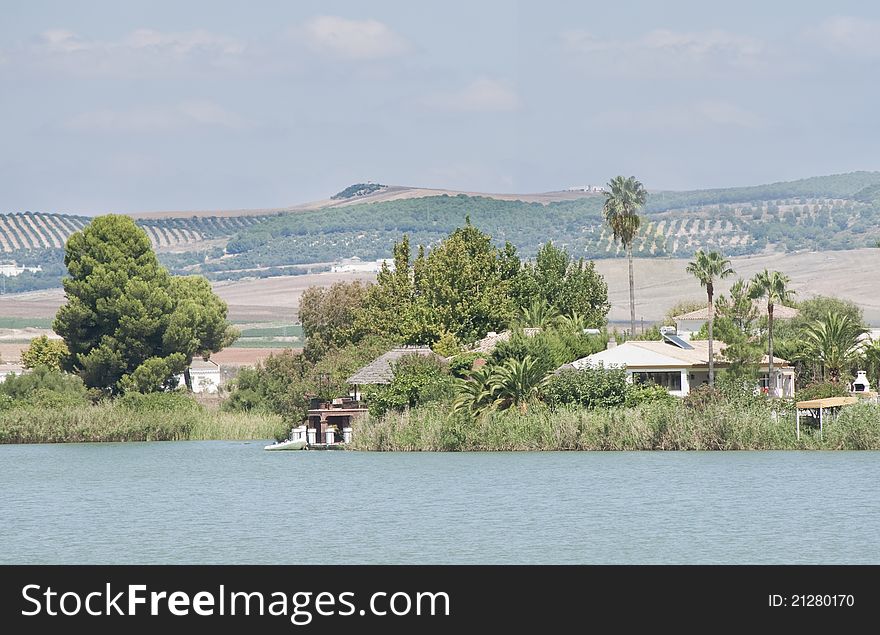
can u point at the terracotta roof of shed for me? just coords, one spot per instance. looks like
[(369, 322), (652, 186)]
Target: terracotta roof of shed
[(780, 311)]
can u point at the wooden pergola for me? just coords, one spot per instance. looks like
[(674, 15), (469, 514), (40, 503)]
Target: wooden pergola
[(816, 409)]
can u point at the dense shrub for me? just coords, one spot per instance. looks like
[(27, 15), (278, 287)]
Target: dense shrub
[(45, 386), (417, 380), (822, 390), (591, 388)]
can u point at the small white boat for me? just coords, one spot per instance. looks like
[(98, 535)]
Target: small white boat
[(289, 444)]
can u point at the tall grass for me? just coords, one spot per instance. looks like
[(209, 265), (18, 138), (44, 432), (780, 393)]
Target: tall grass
[(120, 422), (657, 426)]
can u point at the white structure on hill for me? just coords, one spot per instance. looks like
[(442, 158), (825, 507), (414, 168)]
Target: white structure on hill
[(10, 270), (679, 366), (356, 265)]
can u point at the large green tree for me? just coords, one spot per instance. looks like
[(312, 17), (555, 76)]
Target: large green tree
[(460, 287), (572, 287), (623, 200), (707, 268), (329, 316), (123, 310), (773, 287)]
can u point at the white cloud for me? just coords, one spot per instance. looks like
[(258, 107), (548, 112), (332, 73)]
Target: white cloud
[(185, 115), (353, 39), (143, 52), (663, 53), (697, 116), (848, 35), (481, 95)]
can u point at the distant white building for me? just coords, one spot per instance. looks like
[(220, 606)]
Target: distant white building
[(10, 270), (204, 375), (356, 265)]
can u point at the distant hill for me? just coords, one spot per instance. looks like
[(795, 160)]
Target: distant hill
[(818, 214)]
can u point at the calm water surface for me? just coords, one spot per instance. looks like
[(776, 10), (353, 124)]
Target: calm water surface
[(232, 502)]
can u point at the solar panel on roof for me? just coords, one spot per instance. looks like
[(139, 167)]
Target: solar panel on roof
[(677, 341)]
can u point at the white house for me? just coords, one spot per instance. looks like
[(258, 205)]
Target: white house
[(205, 376), (678, 365), (356, 265), (688, 323)]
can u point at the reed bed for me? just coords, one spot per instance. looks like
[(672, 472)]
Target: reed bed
[(658, 426), (117, 422)]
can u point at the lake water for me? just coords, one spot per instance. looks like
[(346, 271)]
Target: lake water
[(233, 503)]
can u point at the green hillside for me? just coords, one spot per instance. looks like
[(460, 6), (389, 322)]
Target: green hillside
[(820, 213)]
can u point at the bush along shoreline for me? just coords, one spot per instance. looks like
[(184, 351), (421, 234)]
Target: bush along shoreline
[(655, 426)]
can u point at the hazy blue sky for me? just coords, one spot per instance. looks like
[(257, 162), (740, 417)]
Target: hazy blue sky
[(133, 106)]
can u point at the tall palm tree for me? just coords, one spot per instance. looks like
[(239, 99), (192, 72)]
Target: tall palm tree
[(773, 286), (623, 199), (707, 267), (835, 342)]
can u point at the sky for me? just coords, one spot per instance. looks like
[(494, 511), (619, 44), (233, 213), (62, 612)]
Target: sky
[(199, 105)]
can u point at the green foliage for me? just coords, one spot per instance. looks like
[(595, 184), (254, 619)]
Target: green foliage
[(448, 345), (462, 364), (623, 200), (804, 214), (822, 390), (134, 417), (45, 352), (329, 316), (158, 402), (589, 388), (516, 382), (550, 348), (639, 394), (358, 189), (459, 287), (44, 387), (417, 380), (123, 308), (284, 382), (834, 342), (555, 280), (156, 374)]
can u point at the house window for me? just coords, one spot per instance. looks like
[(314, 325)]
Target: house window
[(669, 380)]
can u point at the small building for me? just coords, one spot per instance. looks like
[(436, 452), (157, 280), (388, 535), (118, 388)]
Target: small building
[(679, 366), (356, 265), (12, 369), (336, 416), (10, 269), (380, 371), (205, 376), (689, 323)]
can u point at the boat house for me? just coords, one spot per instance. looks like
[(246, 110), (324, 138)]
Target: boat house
[(679, 366)]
